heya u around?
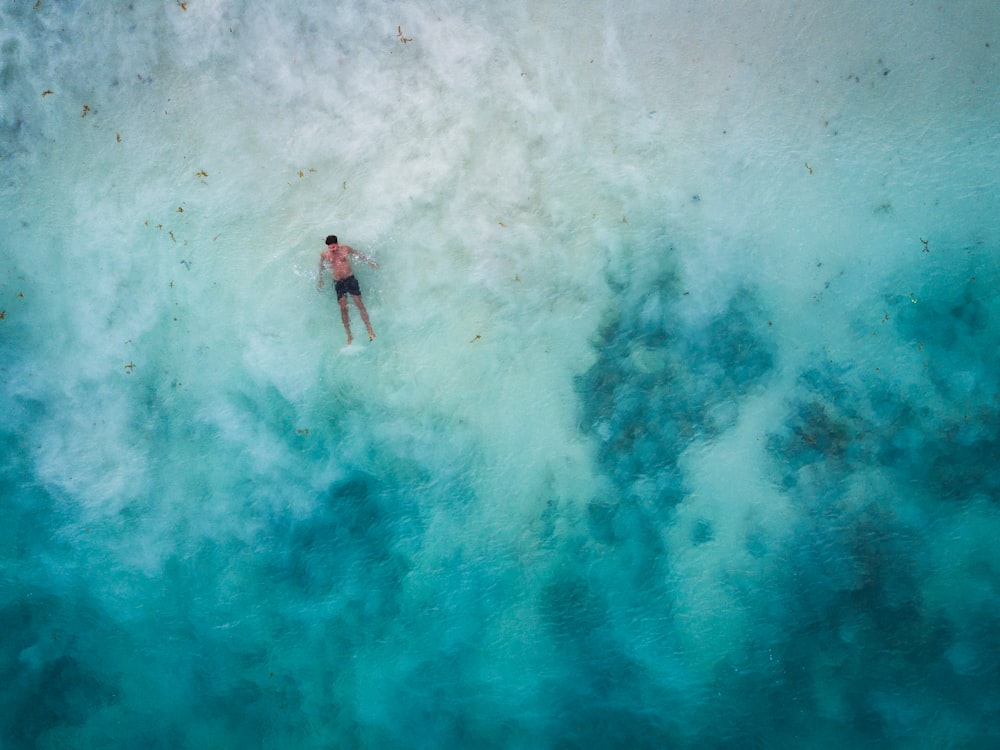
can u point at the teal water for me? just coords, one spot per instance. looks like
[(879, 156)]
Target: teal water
[(681, 429)]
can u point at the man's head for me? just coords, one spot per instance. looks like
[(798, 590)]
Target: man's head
[(331, 239)]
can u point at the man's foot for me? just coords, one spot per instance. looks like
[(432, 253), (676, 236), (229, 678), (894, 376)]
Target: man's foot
[(349, 339), (371, 335)]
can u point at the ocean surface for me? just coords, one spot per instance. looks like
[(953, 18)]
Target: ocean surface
[(681, 428)]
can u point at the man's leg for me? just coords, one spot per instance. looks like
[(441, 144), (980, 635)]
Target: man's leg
[(364, 315), (345, 317)]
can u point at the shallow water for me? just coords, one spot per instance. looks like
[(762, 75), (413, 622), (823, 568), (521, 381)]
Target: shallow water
[(680, 430)]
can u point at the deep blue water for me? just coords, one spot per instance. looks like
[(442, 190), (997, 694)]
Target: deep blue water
[(681, 429)]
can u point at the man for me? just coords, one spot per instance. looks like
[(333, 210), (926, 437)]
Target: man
[(335, 257)]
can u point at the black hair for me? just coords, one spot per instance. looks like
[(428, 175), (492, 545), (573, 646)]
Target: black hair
[(331, 239)]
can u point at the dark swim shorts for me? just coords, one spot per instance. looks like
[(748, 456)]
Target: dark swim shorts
[(347, 285)]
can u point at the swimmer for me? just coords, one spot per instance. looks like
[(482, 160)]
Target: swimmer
[(335, 258)]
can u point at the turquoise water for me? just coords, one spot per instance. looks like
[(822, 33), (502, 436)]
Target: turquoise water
[(681, 429)]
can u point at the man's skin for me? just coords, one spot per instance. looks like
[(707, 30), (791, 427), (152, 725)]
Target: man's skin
[(335, 258)]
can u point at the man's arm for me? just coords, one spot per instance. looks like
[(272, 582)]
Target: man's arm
[(362, 257), (319, 277)]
